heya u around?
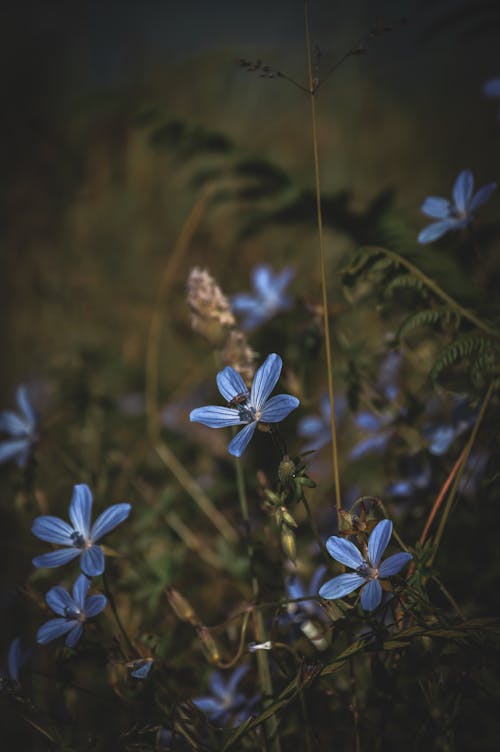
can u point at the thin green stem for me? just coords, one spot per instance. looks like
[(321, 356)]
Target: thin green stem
[(324, 291), (315, 530), (262, 657), (458, 476), (437, 290), (111, 601)]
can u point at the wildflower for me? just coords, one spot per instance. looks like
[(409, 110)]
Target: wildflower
[(226, 705), (244, 407), (141, 668), (491, 88), (379, 426), (268, 299), (307, 612), (442, 434), (16, 658), (81, 539), (457, 214), (317, 428), (74, 612), (21, 428), (367, 571)]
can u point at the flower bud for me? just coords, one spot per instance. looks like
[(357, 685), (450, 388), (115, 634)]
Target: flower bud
[(286, 470), (181, 606), (208, 644), (288, 542)]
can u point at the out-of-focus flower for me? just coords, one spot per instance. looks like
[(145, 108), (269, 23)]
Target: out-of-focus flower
[(380, 430), (307, 613), (491, 88), (367, 571), (21, 428), (226, 705), (141, 668), (73, 612), (16, 659), (455, 214), (317, 428), (244, 407), (442, 434), (268, 299), (81, 539)]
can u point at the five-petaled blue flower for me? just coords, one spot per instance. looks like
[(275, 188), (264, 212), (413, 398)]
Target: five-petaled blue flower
[(368, 570), (244, 407), (225, 704), (491, 88), (73, 611), (269, 296), (21, 428), (457, 214), (81, 539)]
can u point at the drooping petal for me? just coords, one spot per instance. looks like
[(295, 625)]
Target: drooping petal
[(436, 207), (94, 605), (208, 705), (482, 196), (92, 562), (436, 230), (265, 380), (215, 416), (60, 601), (377, 543), (74, 635), (56, 558), (230, 383), (53, 530), (278, 407), (25, 406), (80, 590), (109, 519), (10, 449), (240, 442), (371, 595), (341, 585), (14, 659), (53, 629), (12, 424), (393, 564), (345, 552), (80, 509), (462, 190)]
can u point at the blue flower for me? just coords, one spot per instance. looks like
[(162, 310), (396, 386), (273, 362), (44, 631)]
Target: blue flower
[(141, 668), (367, 571), (457, 214), (442, 434), (244, 407), (81, 539), (21, 428), (304, 612), (317, 428), (269, 296), (491, 88), (15, 660), (226, 705), (74, 612)]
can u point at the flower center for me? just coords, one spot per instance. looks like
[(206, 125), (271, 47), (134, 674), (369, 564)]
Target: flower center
[(371, 573), (247, 412), (78, 539), (74, 613)]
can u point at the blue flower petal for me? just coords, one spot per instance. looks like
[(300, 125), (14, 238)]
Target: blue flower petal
[(240, 442), (340, 586), (56, 558), (80, 509), (393, 564), (143, 669), (208, 705), (14, 659), (310, 426), (436, 230), (230, 383), (438, 208), (377, 543), (74, 635), (345, 552), (262, 279), (491, 88), (283, 279), (482, 196), (369, 421), (80, 590), (278, 407), (244, 303), (53, 530), (109, 519), (462, 190), (215, 416), (265, 380), (25, 406), (94, 605), (217, 684), (92, 561), (53, 629), (371, 595), (10, 449), (235, 679), (60, 601), (12, 424)]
